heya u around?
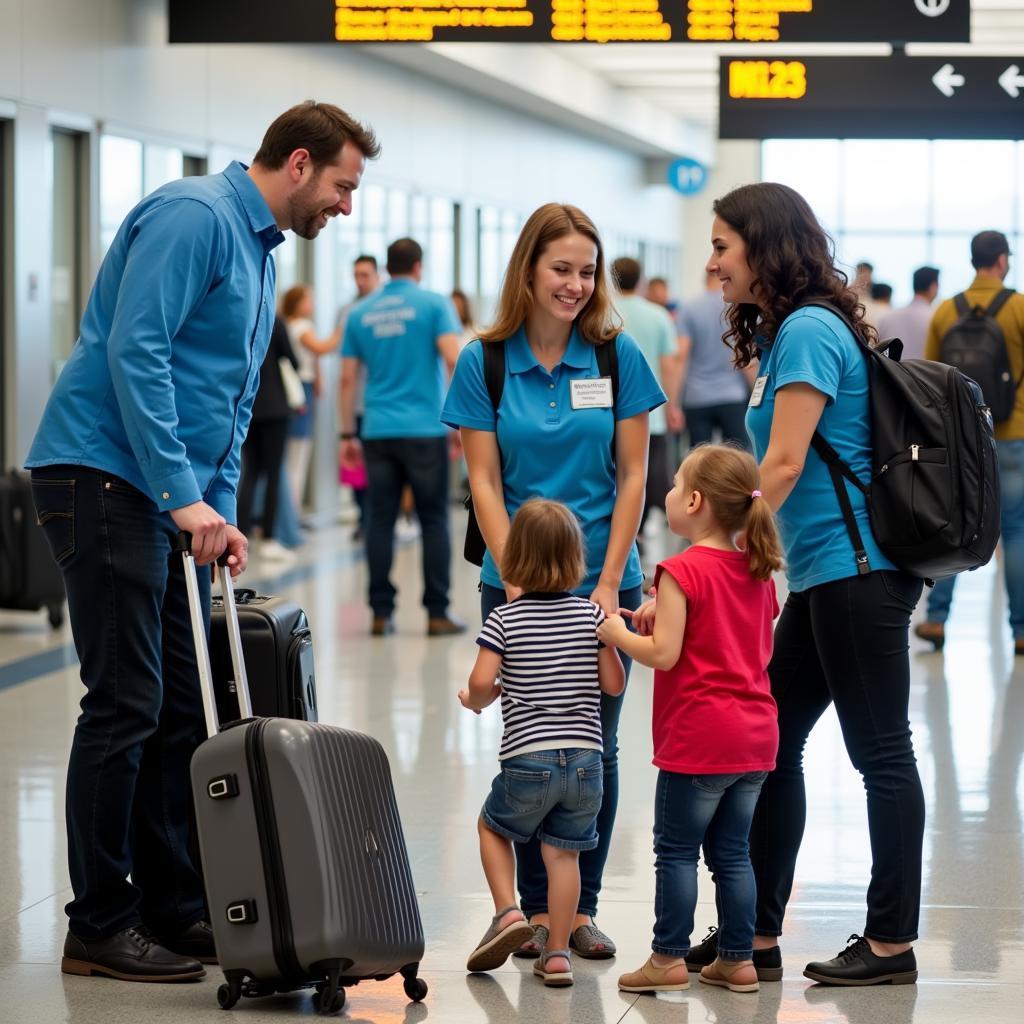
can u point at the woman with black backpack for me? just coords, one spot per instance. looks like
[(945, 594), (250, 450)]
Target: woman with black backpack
[(842, 637)]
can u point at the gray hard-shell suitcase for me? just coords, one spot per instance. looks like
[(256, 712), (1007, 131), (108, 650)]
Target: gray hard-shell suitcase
[(306, 870)]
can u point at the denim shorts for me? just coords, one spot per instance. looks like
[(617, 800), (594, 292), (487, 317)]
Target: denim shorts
[(553, 794)]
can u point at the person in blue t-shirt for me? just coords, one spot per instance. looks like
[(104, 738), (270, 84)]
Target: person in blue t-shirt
[(842, 638), (140, 439), (407, 339), (552, 437)]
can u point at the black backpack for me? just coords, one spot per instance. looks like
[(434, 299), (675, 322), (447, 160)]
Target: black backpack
[(474, 548), (976, 346), (933, 497)]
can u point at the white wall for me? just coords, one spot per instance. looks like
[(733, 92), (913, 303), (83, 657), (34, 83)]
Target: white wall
[(737, 163)]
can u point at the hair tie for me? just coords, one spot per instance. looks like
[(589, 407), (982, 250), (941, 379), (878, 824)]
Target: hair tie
[(755, 494)]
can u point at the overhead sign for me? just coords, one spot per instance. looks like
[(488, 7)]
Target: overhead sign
[(872, 98), (568, 21), (687, 176)]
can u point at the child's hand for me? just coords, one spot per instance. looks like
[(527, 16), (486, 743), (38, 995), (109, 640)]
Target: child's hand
[(643, 618), (464, 700), (612, 630)]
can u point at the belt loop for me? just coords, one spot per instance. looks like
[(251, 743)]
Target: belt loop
[(561, 759)]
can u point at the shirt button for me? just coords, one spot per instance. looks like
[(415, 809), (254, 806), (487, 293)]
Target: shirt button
[(166, 495), (551, 405), (551, 387)]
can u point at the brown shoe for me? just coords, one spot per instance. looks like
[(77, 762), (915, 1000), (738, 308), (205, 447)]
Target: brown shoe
[(130, 955), (652, 978), (382, 626), (735, 975), (933, 632), (445, 626), (1018, 645)]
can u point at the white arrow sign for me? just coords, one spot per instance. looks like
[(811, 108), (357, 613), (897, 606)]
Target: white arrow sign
[(1012, 80), (947, 81)]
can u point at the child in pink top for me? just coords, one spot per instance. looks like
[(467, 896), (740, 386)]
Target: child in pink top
[(715, 728)]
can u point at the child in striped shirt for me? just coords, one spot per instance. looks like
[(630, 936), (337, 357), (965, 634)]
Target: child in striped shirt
[(552, 670)]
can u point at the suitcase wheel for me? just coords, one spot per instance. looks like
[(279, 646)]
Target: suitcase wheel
[(228, 995), (416, 989), (326, 1002)]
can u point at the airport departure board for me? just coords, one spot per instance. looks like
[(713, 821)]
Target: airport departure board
[(568, 21)]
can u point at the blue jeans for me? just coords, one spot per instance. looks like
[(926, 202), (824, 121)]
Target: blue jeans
[(715, 810), (422, 463), (551, 794), (531, 876), (727, 418), (128, 796), (1011, 524)]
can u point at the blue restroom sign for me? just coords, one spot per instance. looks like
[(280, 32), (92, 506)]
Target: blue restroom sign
[(687, 176)]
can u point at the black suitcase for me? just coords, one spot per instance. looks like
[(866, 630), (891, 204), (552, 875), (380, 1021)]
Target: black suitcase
[(306, 870), (278, 651), (29, 577)]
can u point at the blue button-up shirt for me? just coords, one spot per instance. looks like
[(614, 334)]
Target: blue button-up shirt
[(159, 387)]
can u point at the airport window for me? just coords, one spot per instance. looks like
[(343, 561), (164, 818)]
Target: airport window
[(902, 204), (440, 246), (373, 235), (67, 288), (120, 183)]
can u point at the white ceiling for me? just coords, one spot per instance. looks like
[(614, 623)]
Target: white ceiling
[(683, 78)]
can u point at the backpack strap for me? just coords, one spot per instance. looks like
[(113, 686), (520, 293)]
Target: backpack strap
[(963, 307), (608, 366), (494, 370), (998, 302), (839, 471)]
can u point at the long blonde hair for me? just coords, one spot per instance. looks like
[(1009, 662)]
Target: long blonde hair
[(728, 477), (597, 322)]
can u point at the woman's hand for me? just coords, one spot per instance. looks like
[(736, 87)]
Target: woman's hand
[(612, 630), (606, 597), (467, 702)]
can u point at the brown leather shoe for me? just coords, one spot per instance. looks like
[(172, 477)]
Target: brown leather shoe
[(933, 632), (735, 975), (382, 626), (445, 626)]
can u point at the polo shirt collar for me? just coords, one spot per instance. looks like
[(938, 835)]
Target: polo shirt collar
[(261, 220), (579, 353)]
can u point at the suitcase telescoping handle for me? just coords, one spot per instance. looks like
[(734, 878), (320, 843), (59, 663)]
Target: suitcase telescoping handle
[(184, 546)]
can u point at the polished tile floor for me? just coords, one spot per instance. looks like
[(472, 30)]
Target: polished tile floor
[(967, 711)]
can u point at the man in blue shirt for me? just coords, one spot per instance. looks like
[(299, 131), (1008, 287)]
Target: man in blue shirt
[(715, 393), (407, 338), (141, 439)]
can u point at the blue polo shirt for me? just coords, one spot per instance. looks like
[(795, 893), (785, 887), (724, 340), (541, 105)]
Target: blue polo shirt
[(394, 333), (815, 347), (548, 449), (159, 387)]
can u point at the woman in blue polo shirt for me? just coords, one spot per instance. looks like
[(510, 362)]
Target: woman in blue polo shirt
[(842, 638), (552, 437)]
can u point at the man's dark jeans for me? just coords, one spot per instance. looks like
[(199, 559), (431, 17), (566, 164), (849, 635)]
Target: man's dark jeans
[(531, 875), (128, 776), (422, 463), (845, 643)]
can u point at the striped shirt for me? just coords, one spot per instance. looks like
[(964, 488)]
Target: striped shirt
[(550, 694)]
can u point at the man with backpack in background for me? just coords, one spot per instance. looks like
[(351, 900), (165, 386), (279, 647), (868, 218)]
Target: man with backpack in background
[(982, 332)]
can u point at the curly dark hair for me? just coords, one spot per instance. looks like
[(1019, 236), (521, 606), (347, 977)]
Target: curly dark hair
[(793, 261)]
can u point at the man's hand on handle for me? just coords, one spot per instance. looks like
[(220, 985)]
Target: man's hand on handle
[(209, 531)]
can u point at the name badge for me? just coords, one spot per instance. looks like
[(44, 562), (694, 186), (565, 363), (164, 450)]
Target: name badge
[(592, 393), (757, 395)]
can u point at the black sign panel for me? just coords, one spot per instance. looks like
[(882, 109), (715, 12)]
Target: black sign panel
[(568, 21), (872, 98)]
